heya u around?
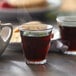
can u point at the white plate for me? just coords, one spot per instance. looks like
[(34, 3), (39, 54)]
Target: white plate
[(56, 33), (53, 5)]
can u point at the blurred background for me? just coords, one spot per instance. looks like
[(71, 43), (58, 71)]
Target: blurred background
[(45, 13)]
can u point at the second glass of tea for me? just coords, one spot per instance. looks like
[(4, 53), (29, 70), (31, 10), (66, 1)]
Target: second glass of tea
[(67, 25), (35, 42)]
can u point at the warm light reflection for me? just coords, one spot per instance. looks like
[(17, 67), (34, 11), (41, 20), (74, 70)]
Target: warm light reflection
[(68, 5)]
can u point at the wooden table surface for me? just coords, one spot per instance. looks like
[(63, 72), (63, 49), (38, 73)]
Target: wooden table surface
[(12, 64)]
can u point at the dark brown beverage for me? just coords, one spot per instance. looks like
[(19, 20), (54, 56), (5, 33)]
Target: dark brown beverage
[(68, 36), (36, 39), (35, 48)]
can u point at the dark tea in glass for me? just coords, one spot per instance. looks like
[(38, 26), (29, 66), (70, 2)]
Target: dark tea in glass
[(36, 43), (67, 25), (69, 38)]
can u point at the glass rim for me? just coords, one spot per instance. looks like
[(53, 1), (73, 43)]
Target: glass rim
[(67, 20), (50, 28)]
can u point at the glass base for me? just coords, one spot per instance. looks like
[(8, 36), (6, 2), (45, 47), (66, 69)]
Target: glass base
[(36, 62), (70, 52)]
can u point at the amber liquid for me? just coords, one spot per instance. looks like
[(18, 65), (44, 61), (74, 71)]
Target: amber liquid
[(68, 36), (35, 48)]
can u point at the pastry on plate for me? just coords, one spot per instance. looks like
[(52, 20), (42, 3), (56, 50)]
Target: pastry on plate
[(15, 36)]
